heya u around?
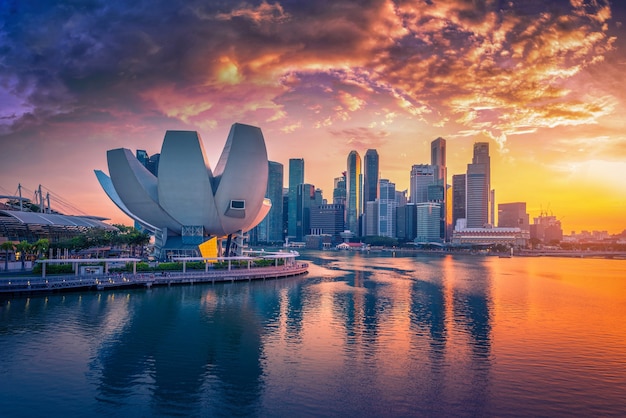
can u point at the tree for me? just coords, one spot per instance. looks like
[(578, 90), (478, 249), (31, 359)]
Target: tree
[(23, 248), (41, 246), (7, 246)]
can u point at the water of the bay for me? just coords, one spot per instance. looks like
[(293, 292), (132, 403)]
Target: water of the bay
[(378, 334)]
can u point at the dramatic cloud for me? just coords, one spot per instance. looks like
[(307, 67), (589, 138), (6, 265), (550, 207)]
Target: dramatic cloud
[(363, 74), (474, 62)]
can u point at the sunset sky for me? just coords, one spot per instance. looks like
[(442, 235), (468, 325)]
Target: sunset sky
[(542, 81)]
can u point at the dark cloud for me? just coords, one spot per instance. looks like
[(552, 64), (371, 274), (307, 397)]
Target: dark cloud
[(76, 57)]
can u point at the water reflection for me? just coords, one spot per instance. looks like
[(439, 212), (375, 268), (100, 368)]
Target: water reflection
[(361, 335)]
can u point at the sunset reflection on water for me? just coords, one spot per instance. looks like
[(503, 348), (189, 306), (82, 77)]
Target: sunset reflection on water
[(377, 334)]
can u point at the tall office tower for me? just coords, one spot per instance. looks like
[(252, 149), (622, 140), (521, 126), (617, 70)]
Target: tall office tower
[(143, 157), (153, 164), (296, 177), (406, 218), (306, 199), (319, 197), (422, 176), (513, 215), (438, 161), (492, 207), (285, 211), (478, 186), (401, 199), (328, 220), (354, 186), (370, 176), (270, 229), (370, 219), (275, 194), (339, 191), (387, 209), (427, 222), (458, 198)]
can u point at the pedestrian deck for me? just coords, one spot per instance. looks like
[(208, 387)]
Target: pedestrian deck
[(36, 285)]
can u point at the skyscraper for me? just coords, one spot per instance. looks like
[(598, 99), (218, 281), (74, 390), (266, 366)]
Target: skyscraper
[(339, 191), (478, 186), (328, 219), (428, 222), (458, 198), (296, 177), (275, 194), (370, 176), (387, 209), (422, 176), (270, 229), (307, 198), (354, 185), (438, 160), (438, 192), (513, 215)]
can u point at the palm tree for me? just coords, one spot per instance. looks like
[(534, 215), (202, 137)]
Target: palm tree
[(41, 246), (24, 248), (7, 246)]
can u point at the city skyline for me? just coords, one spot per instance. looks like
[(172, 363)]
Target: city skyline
[(539, 81)]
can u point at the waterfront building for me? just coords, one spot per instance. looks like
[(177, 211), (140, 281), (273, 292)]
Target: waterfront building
[(354, 187), (387, 209), (187, 203), (427, 222), (547, 229), (143, 157), (401, 199), (371, 216), (296, 177), (370, 177), (422, 176), (458, 198), (339, 190), (513, 215), (478, 187), (406, 220), (438, 191), (270, 229), (514, 237), (328, 219), (438, 160), (285, 202), (307, 198)]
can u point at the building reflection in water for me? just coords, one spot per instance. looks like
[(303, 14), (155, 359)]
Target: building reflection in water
[(185, 347)]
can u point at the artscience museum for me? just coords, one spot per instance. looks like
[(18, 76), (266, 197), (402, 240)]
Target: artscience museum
[(189, 203)]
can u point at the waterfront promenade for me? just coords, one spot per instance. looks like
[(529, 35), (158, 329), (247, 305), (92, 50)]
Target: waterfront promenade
[(24, 285)]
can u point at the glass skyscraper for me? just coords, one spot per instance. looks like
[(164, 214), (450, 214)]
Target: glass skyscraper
[(371, 189), (296, 177), (437, 193), (387, 209), (458, 198), (270, 229), (354, 185), (478, 186), (422, 176)]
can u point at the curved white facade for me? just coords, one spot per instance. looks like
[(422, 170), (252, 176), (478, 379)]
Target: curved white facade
[(187, 193)]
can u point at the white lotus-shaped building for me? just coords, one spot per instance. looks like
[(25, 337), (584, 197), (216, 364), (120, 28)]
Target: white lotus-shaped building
[(188, 202)]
